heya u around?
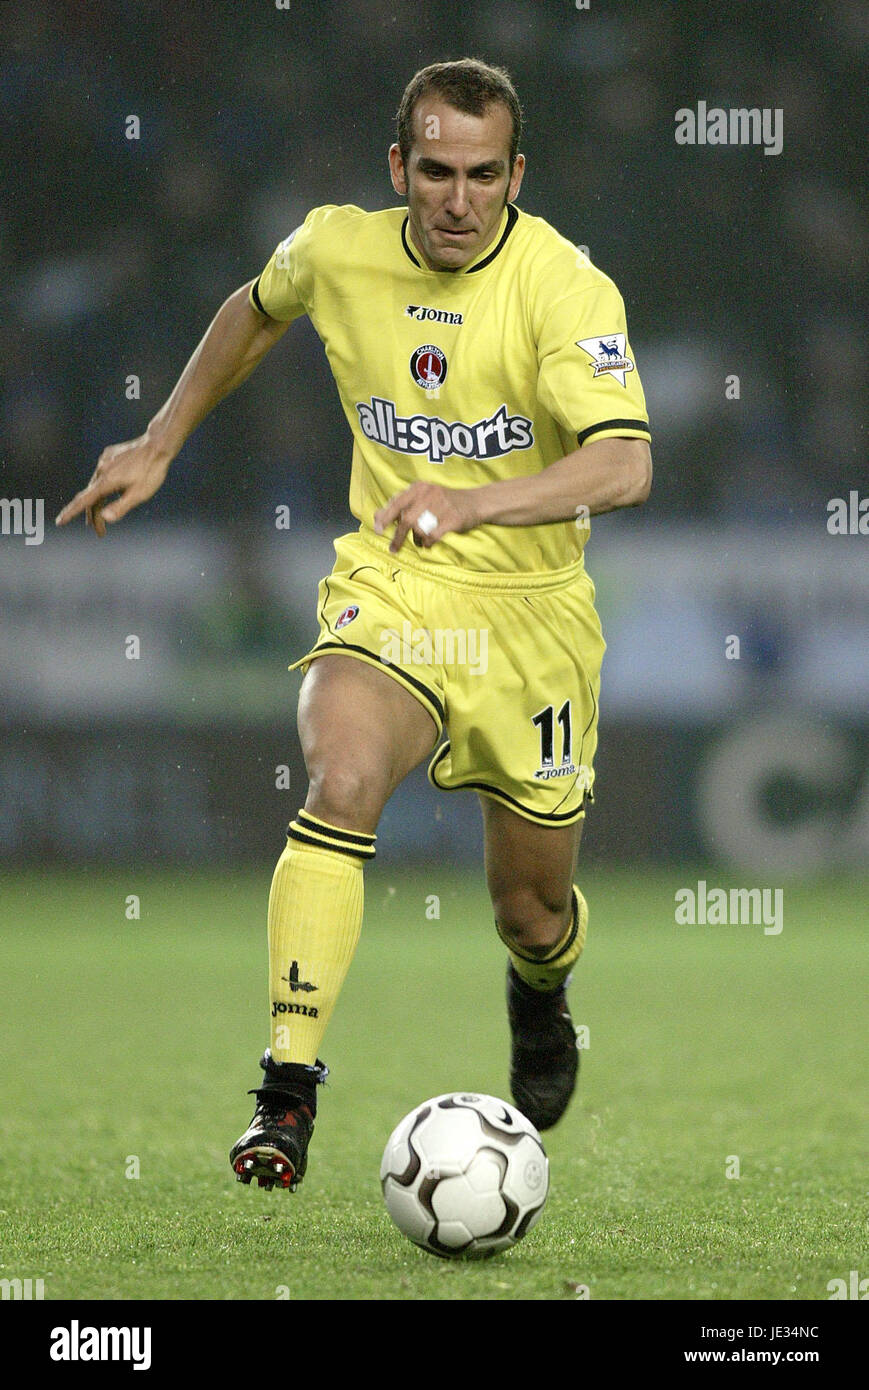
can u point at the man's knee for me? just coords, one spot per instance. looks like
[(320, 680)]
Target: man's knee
[(531, 920), (347, 795)]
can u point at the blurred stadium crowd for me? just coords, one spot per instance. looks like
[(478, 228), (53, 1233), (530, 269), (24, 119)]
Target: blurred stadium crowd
[(116, 252)]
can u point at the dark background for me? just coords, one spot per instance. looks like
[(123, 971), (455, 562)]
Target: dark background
[(116, 253)]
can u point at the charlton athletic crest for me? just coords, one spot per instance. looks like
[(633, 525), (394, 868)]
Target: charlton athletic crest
[(428, 367), (347, 616)]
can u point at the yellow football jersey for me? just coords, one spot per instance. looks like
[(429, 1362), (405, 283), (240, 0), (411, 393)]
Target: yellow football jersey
[(461, 377)]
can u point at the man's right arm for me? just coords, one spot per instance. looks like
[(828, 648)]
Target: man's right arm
[(237, 340)]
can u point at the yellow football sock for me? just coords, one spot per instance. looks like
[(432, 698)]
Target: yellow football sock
[(549, 971), (315, 916)]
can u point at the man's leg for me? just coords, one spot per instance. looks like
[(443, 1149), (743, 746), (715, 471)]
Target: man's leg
[(361, 733), (541, 917)]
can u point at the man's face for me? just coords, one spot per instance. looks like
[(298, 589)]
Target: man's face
[(457, 181)]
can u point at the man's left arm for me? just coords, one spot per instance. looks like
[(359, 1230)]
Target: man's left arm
[(602, 476)]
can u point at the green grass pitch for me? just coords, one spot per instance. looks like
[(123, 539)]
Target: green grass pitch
[(129, 1045)]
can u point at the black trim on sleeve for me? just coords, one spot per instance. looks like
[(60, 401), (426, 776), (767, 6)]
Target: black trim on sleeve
[(254, 294), (614, 425)]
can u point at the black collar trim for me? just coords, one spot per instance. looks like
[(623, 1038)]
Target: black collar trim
[(406, 246), (512, 219)]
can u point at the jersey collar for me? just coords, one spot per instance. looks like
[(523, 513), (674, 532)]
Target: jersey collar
[(509, 218)]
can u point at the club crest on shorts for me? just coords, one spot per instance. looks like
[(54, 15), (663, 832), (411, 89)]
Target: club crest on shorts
[(428, 367), (608, 355), (347, 616)]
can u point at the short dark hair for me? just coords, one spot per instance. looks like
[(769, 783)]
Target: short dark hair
[(469, 85)]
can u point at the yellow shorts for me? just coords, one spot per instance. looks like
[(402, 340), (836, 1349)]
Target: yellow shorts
[(507, 665)]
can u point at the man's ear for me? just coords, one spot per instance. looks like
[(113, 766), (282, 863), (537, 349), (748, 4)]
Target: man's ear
[(396, 171), (516, 178)]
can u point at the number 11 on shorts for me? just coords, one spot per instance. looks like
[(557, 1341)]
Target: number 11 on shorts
[(545, 722)]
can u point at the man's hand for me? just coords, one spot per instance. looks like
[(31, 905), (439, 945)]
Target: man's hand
[(135, 469), (238, 338), (429, 511)]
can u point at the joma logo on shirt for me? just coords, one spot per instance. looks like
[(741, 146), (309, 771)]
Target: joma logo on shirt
[(422, 311), (440, 439)]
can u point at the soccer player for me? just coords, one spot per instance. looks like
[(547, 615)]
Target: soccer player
[(484, 368)]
